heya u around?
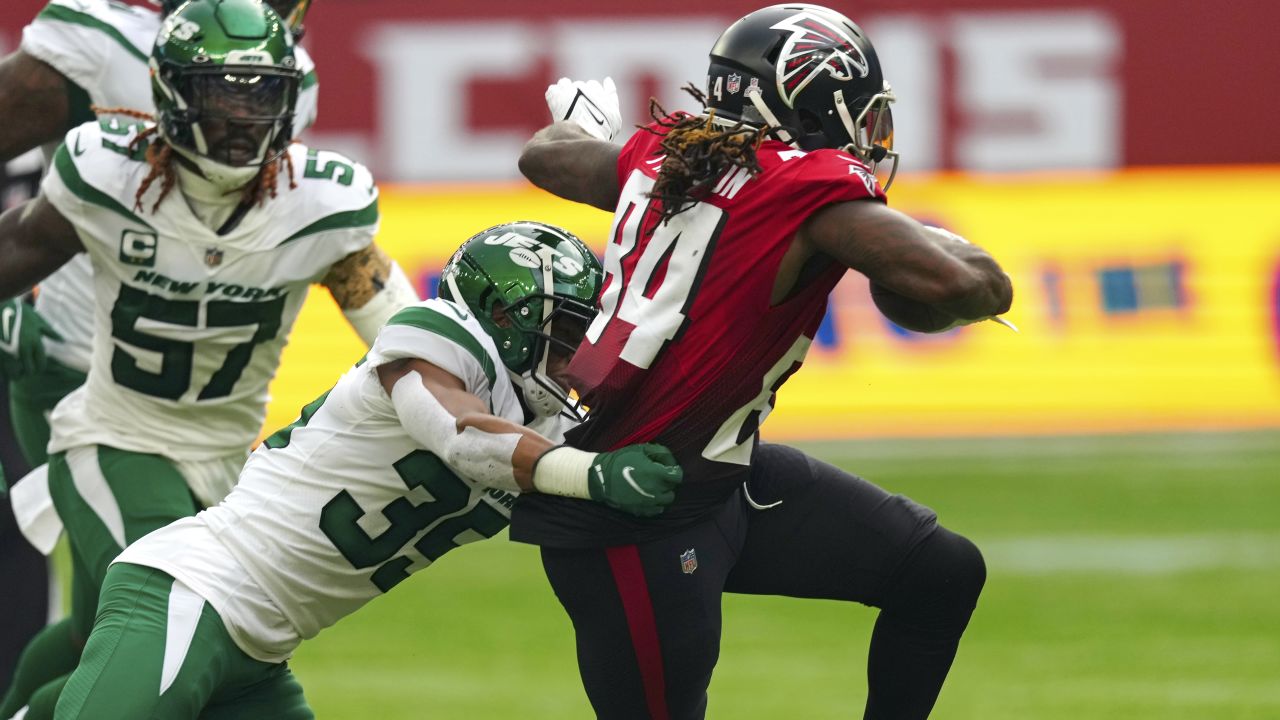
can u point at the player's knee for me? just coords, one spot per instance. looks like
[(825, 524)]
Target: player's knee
[(968, 569), (944, 576)]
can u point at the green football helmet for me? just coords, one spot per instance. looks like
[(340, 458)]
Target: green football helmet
[(293, 11), (533, 288), (225, 81)]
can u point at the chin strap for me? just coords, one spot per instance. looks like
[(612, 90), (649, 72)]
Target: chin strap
[(757, 100)]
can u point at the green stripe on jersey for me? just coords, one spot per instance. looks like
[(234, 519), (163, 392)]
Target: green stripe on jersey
[(281, 437), (70, 177), (440, 324), (350, 219), (65, 14), (308, 80)]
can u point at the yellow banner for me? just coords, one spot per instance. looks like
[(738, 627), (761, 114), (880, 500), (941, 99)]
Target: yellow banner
[(1147, 300)]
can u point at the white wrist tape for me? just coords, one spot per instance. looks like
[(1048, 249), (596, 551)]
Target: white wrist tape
[(474, 454), (564, 471), (369, 318)]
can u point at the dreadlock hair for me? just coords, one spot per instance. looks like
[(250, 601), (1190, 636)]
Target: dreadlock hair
[(698, 153), (159, 155)]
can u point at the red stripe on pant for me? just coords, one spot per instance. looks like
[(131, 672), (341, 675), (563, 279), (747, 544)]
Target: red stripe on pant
[(628, 574)]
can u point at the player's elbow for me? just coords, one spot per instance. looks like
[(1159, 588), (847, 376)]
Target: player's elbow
[(537, 162)]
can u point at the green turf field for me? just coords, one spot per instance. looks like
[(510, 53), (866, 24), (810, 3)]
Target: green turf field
[(1130, 578)]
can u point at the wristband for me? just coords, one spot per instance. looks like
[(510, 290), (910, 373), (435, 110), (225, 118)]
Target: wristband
[(563, 471)]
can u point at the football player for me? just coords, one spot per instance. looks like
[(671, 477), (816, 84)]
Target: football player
[(204, 231), (74, 56), (330, 512), (731, 228)]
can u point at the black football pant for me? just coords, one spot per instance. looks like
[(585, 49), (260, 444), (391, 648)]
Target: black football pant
[(647, 616)]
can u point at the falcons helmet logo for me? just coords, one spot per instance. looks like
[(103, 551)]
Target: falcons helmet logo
[(815, 46)]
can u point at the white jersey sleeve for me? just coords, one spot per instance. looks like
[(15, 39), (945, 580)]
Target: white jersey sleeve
[(101, 46)]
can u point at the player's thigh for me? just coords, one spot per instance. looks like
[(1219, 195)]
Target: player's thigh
[(260, 690), (108, 498), (157, 650), (647, 617), (831, 535)]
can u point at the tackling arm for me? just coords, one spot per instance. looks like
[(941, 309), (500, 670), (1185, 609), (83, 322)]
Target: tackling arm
[(369, 287), (436, 409), (35, 240), (34, 104), (921, 263), (565, 160)]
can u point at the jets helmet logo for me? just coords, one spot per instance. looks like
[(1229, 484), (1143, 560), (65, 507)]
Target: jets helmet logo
[(816, 46)]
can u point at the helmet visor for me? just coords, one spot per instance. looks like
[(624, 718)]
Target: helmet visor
[(239, 114), (873, 139), (878, 129)]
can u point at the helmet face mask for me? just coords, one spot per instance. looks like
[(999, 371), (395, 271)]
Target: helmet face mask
[(811, 75), (533, 288), (225, 82), (235, 117)]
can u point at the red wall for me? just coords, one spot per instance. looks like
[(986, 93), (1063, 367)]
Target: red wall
[(1197, 79)]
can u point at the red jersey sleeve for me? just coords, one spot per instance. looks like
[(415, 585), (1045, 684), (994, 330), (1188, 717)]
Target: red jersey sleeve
[(826, 176)]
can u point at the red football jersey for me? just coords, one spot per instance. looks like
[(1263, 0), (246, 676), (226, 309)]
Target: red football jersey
[(686, 350)]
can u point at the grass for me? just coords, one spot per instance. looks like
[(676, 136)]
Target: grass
[(1130, 578)]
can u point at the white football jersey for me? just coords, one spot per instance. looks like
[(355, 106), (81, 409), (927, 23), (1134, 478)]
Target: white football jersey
[(103, 48), (188, 324), (337, 508)]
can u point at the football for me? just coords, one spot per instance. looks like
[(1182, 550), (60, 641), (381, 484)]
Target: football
[(907, 313)]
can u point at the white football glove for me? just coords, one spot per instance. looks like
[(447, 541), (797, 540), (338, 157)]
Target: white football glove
[(591, 104)]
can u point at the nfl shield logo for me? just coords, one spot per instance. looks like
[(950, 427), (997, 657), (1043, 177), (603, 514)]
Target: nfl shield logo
[(735, 83), (213, 257), (688, 561)]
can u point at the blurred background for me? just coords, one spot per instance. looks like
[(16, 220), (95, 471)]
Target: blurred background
[(1118, 460)]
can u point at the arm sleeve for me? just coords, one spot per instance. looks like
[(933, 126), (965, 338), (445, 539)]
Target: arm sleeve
[(480, 456), (369, 318)]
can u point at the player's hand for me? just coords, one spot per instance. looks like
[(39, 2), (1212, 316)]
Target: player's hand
[(590, 104), (22, 334), (947, 235), (637, 479)]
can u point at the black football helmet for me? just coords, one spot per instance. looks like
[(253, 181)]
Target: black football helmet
[(811, 74)]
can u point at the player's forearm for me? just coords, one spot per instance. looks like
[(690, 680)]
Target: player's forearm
[(987, 292), (565, 161), (528, 448), (24, 259), (476, 445), (34, 107), (369, 287), (927, 265)]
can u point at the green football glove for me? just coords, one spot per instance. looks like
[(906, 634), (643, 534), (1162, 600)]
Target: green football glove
[(636, 479), (22, 334)]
